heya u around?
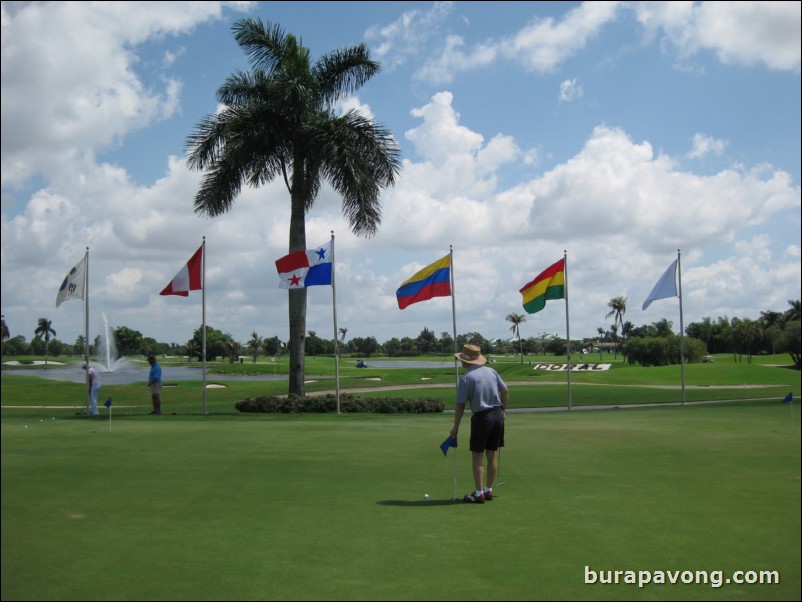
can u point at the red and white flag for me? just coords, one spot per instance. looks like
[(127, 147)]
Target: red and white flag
[(188, 278)]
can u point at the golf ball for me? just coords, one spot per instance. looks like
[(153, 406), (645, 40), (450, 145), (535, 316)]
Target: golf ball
[(425, 496)]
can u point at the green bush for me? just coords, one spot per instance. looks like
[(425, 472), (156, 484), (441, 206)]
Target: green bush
[(349, 404), (662, 351)]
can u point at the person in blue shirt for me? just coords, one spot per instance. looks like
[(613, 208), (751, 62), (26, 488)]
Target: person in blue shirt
[(155, 384), (482, 388)]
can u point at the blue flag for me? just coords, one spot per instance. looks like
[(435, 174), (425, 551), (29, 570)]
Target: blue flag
[(108, 403), (450, 442), (788, 398)]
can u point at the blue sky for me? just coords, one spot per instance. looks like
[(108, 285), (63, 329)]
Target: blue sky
[(617, 132)]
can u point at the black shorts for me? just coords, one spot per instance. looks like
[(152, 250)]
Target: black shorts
[(487, 430)]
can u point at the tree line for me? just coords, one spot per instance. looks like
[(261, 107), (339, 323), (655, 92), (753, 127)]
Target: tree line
[(650, 344)]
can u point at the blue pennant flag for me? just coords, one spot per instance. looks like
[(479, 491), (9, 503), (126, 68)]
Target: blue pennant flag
[(788, 398), (108, 403), (450, 442)]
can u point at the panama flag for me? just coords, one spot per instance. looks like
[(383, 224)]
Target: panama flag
[(188, 278), (73, 285), (305, 268)]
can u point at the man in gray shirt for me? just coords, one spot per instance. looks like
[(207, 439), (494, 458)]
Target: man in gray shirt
[(487, 394)]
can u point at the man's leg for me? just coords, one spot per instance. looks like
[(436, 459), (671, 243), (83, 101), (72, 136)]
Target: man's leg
[(492, 467), (478, 469)]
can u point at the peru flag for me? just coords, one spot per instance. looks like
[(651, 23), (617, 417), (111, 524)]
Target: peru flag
[(188, 278)]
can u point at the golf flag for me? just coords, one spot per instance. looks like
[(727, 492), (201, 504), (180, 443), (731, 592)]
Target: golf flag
[(432, 281), (665, 287), (188, 278), (450, 442), (306, 268), (108, 403), (548, 285), (788, 398), (73, 285)]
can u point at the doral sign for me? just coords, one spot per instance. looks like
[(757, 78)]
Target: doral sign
[(574, 368)]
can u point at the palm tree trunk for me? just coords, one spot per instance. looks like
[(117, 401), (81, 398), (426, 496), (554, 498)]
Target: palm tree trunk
[(297, 300)]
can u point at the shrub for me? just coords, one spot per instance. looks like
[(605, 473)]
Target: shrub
[(349, 404)]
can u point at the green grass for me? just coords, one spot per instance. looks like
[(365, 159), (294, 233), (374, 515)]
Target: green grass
[(767, 377), (247, 507)]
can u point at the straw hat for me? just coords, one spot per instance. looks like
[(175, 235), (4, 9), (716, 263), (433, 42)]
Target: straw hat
[(471, 354)]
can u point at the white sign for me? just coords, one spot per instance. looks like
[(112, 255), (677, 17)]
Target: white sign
[(574, 368)]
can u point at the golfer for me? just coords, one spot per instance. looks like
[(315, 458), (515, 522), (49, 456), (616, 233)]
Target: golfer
[(482, 387), (94, 388), (155, 384)]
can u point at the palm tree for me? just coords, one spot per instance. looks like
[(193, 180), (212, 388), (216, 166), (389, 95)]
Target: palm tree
[(618, 307), (44, 329), (278, 121), (517, 320), (255, 344), (794, 312)]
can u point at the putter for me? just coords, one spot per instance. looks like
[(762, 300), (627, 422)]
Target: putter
[(498, 471)]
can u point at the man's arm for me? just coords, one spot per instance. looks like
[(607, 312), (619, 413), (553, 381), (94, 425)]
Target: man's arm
[(458, 412)]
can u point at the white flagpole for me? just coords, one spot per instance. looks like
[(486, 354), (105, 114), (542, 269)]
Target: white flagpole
[(453, 309), (681, 327), (87, 399), (334, 310), (456, 366), (203, 317), (567, 324)]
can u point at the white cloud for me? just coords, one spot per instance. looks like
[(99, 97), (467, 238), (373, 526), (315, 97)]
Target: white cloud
[(570, 90), (408, 35), (741, 33), (704, 145), (80, 91)]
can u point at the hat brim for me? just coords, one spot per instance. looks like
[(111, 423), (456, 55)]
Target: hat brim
[(480, 361)]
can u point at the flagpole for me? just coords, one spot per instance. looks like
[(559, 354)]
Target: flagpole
[(681, 328), (203, 317), (453, 310), (567, 324), (334, 310), (87, 399)]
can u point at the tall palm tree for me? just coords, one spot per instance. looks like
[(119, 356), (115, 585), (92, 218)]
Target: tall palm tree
[(44, 330), (517, 320), (618, 307), (793, 312), (255, 344), (278, 121)]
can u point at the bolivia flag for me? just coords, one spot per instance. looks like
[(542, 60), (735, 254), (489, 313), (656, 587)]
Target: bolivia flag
[(550, 284), (432, 281)]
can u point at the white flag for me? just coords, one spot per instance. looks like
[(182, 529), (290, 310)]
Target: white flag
[(73, 285), (665, 287)]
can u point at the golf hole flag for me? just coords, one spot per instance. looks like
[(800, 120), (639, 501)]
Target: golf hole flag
[(305, 268), (73, 285), (432, 281), (450, 442), (665, 287), (548, 285), (189, 278)]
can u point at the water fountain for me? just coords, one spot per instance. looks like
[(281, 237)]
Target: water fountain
[(106, 353)]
